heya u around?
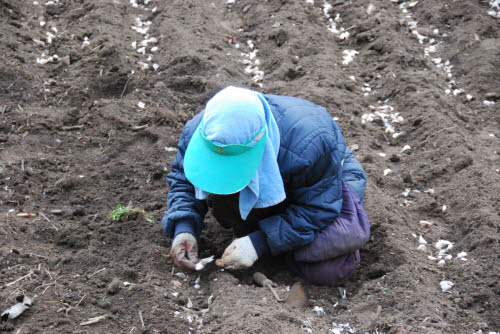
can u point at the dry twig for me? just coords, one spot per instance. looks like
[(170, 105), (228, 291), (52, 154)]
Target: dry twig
[(94, 320), (47, 219), (142, 320), (37, 255), (97, 272), (20, 279), (80, 301)]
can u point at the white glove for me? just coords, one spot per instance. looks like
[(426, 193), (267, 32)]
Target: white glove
[(239, 254), (185, 251)]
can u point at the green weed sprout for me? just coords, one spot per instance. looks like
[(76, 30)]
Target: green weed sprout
[(120, 212), (382, 288)]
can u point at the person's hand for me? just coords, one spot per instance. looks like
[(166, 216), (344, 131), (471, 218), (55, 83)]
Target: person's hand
[(239, 254), (184, 251)]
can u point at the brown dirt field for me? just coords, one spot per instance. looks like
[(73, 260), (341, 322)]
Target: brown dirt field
[(74, 138)]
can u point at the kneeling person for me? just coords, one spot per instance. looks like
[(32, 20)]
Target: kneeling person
[(276, 169)]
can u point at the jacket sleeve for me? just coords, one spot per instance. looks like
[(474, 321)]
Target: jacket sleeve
[(184, 211), (354, 175), (314, 194)]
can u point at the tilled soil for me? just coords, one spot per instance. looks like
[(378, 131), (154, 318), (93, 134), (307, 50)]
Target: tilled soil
[(97, 126)]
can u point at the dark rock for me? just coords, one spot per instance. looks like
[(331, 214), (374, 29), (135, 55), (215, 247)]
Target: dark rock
[(407, 178), (378, 121), (53, 10), (67, 298), (294, 73), (395, 158), (280, 38), (79, 212), (417, 122), (462, 163), (367, 158), (182, 300)]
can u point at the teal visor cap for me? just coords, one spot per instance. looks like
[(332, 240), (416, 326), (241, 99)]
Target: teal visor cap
[(222, 169)]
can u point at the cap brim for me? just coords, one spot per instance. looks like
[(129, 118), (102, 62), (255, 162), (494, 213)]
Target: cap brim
[(220, 174)]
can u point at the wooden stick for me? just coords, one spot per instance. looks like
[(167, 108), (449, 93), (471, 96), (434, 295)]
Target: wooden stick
[(19, 279), (37, 255), (80, 301), (142, 320), (72, 127), (97, 272), (47, 288), (48, 273), (125, 87), (47, 219), (44, 216), (94, 320)]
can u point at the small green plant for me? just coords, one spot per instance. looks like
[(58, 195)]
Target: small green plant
[(383, 289), (120, 212), (105, 300)]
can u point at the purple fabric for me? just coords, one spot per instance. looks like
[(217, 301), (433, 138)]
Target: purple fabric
[(330, 272), (349, 231)]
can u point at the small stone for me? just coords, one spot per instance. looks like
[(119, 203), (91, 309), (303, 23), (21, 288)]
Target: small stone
[(114, 287), (446, 285), (425, 223), (176, 284), (160, 84), (66, 60), (493, 95), (407, 149), (354, 147), (4, 251), (135, 287), (375, 143)]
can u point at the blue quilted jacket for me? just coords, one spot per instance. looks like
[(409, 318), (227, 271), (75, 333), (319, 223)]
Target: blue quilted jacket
[(313, 158)]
